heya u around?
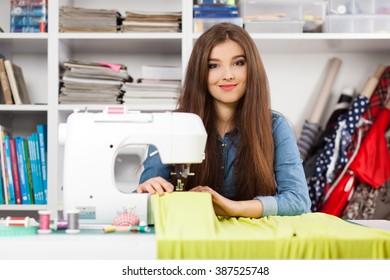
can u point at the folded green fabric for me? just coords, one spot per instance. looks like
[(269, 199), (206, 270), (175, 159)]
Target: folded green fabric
[(187, 228), (17, 231)]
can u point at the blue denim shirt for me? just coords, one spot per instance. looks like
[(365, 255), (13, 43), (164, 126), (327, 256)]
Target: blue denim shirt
[(292, 196)]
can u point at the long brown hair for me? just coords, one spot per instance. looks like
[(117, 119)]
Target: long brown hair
[(254, 159)]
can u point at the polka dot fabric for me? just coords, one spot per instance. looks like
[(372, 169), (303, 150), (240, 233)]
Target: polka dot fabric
[(334, 156)]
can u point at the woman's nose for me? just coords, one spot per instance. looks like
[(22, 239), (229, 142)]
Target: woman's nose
[(228, 74)]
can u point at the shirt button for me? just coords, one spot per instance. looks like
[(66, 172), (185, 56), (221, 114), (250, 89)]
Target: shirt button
[(222, 167), (223, 144)]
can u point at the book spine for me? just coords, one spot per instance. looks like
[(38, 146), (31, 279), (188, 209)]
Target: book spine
[(28, 172), (39, 168), (38, 192), (15, 172), (2, 200), (42, 141), (5, 84), (22, 170), (12, 82), (11, 190), (3, 165)]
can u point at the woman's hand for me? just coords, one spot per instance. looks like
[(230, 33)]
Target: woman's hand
[(222, 205), (156, 184), (231, 208)]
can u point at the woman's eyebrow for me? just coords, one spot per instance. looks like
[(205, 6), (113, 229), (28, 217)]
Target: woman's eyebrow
[(234, 57)]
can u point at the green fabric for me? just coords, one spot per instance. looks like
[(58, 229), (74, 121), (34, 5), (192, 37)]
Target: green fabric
[(187, 228), (17, 231)]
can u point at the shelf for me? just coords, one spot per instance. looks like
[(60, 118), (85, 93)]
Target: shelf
[(124, 45), (118, 36), (23, 207), (319, 42), (23, 108)]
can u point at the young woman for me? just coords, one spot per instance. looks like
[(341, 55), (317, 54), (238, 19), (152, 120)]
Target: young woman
[(252, 166)]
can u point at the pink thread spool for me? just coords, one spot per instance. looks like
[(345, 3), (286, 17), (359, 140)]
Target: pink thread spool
[(44, 221)]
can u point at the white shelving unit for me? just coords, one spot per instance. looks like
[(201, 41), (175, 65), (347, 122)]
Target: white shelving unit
[(295, 64)]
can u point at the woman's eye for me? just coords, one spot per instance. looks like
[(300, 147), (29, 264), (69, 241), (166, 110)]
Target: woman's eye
[(212, 65), (240, 62)]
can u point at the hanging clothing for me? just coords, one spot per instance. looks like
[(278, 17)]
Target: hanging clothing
[(371, 165), (347, 124), (341, 108), (362, 198)]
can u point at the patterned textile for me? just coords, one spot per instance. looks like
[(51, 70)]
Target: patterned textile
[(341, 108), (338, 140), (364, 199), (377, 102), (309, 134), (370, 165)]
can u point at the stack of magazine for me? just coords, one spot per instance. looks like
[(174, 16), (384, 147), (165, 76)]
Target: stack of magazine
[(158, 89), (215, 11), (135, 21), (92, 82), (77, 19)]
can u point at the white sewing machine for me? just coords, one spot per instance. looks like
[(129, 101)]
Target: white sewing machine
[(96, 144)]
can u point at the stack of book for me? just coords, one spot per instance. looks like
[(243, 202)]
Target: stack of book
[(92, 82), (215, 11), (28, 16), (13, 89), (151, 96), (77, 19), (23, 167), (151, 22), (157, 89)]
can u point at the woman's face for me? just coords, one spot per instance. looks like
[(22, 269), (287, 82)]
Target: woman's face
[(227, 75)]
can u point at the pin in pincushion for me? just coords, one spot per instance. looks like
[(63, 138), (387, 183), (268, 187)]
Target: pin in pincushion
[(126, 218)]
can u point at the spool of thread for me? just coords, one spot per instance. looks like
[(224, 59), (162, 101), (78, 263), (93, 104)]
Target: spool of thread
[(73, 221), (44, 221), (17, 221), (60, 224)]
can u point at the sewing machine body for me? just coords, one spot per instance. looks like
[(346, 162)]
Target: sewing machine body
[(95, 142)]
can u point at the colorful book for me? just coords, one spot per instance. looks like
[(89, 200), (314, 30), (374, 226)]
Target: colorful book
[(15, 172), (2, 200), (42, 143), (3, 132), (11, 190), (37, 186), (38, 159), (28, 169), (22, 170)]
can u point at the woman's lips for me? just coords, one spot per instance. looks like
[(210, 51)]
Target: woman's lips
[(228, 87)]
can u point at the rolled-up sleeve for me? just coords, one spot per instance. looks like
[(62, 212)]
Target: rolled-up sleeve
[(292, 196), (153, 167)]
